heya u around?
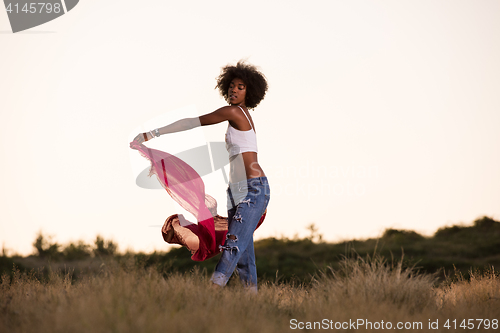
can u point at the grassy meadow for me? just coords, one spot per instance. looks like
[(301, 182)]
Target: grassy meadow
[(84, 288)]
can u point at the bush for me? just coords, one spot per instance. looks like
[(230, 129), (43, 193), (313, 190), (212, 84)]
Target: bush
[(104, 248), (77, 251), (45, 248)]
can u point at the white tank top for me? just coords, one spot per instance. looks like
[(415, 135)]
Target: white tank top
[(238, 142)]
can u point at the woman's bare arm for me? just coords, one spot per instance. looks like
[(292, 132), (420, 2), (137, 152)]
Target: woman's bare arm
[(218, 116)]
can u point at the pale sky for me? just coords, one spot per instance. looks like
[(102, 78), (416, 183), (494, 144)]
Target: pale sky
[(379, 114)]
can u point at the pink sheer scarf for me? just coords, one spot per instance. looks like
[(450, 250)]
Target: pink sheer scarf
[(186, 187)]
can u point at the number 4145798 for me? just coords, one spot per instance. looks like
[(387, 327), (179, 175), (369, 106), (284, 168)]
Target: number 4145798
[(35, 7), (472, 324)]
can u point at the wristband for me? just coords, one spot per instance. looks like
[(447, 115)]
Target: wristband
[(157, 132)]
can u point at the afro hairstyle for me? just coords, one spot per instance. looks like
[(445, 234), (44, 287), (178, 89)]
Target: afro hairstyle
[(255, 81)]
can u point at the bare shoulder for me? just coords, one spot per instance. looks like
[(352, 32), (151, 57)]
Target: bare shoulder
[(225, 113), (229, 110)]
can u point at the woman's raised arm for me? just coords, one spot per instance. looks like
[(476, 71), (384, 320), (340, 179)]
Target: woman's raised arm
[(218, 116)]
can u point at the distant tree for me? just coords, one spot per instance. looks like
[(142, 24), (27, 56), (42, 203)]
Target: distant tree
[(45, 247), (404, 236), (103, 247), (315, 235), (77, 251), (486, 222)]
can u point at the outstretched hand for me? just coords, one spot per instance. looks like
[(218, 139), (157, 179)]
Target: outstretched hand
[(139, 139)]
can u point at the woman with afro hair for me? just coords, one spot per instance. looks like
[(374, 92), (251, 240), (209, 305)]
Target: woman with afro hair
[(243, 86)]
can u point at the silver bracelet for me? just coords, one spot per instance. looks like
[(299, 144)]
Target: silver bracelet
[(157, 132)]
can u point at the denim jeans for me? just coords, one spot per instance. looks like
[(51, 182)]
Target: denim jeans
[(238, 252)]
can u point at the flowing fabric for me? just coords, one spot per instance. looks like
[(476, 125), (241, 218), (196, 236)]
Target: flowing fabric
[(186, 187)]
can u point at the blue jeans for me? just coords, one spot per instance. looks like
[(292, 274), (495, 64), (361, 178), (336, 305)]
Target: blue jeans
[(238, 248)]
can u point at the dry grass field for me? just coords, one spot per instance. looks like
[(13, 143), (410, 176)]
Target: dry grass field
[(363, 295)]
